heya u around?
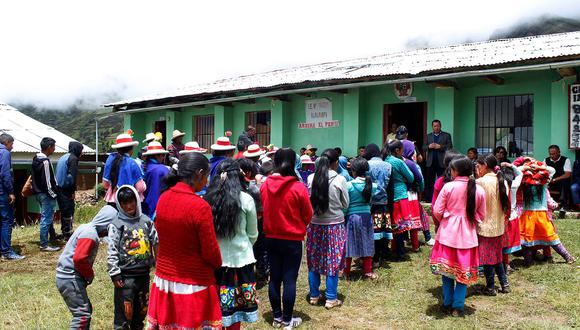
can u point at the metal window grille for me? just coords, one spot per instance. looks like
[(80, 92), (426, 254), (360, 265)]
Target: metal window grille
[(506, 121), (204, 130), (261, 120)]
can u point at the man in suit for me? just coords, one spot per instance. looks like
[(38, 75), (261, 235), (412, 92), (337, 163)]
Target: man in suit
[(438, 142)]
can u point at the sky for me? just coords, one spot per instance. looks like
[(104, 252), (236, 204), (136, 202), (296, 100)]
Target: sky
[(55, 53)]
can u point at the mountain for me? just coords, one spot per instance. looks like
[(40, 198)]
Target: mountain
[(77, 123), (538, 26)]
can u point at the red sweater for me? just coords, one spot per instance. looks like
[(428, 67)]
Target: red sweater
[(287, 209), (188, 250)]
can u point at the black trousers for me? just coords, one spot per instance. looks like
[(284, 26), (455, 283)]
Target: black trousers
[(284, 257), (66, 204), (261, 254), (563, 187), (131, 303), (431, 174)]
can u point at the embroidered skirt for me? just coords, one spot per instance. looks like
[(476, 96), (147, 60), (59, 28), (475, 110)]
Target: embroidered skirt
[(490, 250), (424, 219), (381, 222), (238, 299), (174, 305), (458, 264), (406, 215), (511, 237), (325, 248), (537, 229), (359, 236)]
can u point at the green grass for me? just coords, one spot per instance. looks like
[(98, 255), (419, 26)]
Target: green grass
[(406, 296)]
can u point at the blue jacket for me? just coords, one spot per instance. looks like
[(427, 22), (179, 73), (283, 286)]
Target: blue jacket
[(380, 172), (213, 164), (154, 180), (576, 172), (6, 186), (129, 171)]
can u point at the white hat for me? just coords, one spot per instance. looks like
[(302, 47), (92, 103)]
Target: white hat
[(265, 159), (124, 140), (177, 134), (254, 150), (150, 137), (155, 148), (192, 147), (223, 143), (305, 159)]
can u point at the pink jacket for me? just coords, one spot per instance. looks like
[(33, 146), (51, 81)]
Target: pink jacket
[(455, 229)]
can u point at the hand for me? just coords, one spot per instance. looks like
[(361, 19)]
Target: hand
[(12, 198), (118, 283), (89, 280), (505, 164), (432, 145)]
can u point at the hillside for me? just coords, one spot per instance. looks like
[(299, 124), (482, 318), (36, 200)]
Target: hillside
[(538, 26), (77, 123)]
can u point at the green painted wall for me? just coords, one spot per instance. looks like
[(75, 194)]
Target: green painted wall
[(360, 113)]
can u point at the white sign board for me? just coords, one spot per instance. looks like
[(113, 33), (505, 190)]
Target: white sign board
[(318, 114), (574, 117)]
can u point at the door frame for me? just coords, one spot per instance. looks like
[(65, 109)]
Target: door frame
[(386, 123)]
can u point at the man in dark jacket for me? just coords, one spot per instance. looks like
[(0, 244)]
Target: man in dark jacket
[(7, 199), (45, 189), (246, 139), (438, 142), (66, 179)]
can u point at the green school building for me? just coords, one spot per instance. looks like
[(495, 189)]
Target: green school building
[(519, 93)]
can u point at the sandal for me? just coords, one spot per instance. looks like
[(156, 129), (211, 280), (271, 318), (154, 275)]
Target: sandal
[(277, 323), (370, 276), (314, 300), (332, 303)]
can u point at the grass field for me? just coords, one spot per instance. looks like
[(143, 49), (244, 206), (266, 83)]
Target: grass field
[(406, 296)]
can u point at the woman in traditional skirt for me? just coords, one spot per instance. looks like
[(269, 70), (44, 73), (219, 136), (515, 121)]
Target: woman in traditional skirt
[(359, 224), (511, 238), (491, 230), (184, 294), (402, 214), (460, 205), (380, 173), (236, 227), (413, 189), (326, 235), (536, 229)]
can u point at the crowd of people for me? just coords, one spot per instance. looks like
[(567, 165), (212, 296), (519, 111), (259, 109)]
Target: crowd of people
[(216, 228)]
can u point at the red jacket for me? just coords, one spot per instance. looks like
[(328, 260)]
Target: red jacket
[(287, 209), (188, 250)]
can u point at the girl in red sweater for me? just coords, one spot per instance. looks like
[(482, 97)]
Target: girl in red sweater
[(287, 212), (184, 294)]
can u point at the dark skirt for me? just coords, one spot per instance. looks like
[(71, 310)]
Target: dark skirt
[(325, 248), (238, 299), (490, 250), (359, 236)]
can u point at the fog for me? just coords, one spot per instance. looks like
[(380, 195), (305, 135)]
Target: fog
[(55, 53)]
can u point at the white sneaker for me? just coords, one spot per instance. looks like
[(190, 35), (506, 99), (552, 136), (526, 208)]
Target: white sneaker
[(431, 242), (294, 323)]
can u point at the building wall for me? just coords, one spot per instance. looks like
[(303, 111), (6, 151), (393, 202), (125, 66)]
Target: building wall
[(360, 113)]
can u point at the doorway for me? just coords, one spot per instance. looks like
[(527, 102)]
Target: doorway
[(161, 126), (411, 115)]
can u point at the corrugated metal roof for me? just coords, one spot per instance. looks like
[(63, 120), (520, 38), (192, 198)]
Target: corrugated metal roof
[(415, 62), (28, 132)]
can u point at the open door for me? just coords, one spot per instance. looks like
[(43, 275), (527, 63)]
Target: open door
[(411, 115)]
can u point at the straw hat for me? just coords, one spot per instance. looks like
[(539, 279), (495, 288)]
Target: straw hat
[(310, 147), (272, 150), (155, 148), (177, 134), (150, 137), (254, 150), (223, 143), (192, 147), (124, 140), (305, 159)]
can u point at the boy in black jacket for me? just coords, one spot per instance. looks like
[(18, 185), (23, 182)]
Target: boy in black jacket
[(66, 179)]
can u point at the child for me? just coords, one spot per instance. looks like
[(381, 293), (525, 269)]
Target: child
[(359, 224), (326, 235), (459, 207), (132, 241), (413, 189), (236, 228), (512, 241), (491, 230), (305, 170), (74, 271)]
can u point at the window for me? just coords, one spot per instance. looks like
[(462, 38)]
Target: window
[(506, 121), (204, 133), (261, 120)]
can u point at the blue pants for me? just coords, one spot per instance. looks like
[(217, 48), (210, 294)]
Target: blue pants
[(47, 206), (575, 193), (6, 221), (331, 285), (453, 293)]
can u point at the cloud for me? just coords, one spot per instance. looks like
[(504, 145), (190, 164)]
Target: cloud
[(55, 52)]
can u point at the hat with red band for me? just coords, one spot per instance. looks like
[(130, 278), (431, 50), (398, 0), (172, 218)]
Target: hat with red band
[(192, 147), (155, 148), (124, 140), (223, 143)]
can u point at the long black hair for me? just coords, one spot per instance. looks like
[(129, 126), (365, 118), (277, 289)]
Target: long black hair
[(390, 148), (490, 162), (285, 162), (450, 155), (372, 150), (320, 185), (223, 194), (191, 167), (360, 168), (116, 165), (249, 167), (464, 167)]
